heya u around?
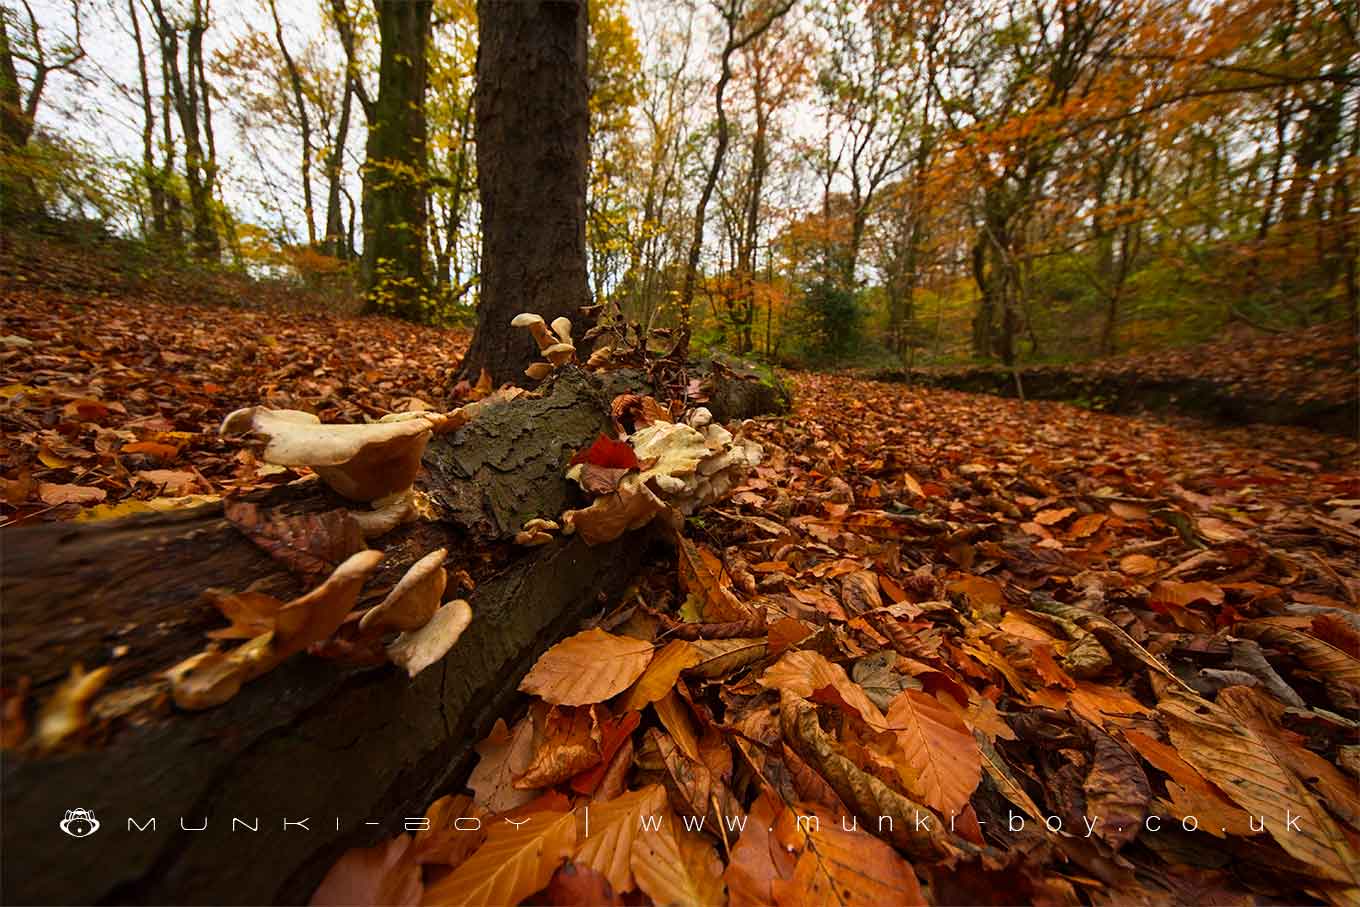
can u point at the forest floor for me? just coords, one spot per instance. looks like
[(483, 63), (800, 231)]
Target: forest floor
[(924, 603)]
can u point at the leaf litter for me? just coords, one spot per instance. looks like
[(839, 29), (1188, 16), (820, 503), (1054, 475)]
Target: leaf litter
[(950, 649)]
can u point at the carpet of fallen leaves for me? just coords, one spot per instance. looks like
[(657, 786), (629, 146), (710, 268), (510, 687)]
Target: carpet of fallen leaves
[(939, 648), (944, 649), (115, 403)]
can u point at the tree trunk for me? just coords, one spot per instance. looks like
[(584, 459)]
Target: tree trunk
[(532, 135), (395, 271), (304, 123)]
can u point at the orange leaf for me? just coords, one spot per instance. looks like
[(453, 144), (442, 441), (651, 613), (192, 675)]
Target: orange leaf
[(938, 747), (587, 668), (661, 674), (614, 826), (674, 866), (568, 745), (803, 673), (383, 874), (515, 861), (839, 867), (702, 575)]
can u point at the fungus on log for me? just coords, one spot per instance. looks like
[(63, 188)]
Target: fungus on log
[(339, 745)]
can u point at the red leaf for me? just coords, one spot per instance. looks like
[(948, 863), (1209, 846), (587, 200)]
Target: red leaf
[(608, 453)]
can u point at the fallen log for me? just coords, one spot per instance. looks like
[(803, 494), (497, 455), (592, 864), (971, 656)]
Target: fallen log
[(350, 753)]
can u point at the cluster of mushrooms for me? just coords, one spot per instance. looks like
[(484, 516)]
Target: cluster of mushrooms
[(672, 467), (374, 464)]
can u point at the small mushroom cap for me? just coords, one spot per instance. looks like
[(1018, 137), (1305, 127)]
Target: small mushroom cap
[(524, 319), (413, 600), (532, 538), (559, 353), (562, 328), (539, 370), (416, 650), (316, 615), (538, 523)]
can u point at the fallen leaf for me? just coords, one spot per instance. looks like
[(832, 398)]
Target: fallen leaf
[(587, 668), (515, 861), (383, 874)]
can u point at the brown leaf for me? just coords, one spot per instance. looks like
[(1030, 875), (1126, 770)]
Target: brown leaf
[(310, 545), (587, 668), (1250, 771), (504, 756), (614, 826), (938, 748), (513, 863), (677, 867), (1191, 794), (383, 874), (757, 859), (1116, 789), (568, 744), (838, 867), (703, 575), (661, 675), (54, 495)]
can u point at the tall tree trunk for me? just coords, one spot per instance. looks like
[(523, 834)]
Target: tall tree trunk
[(199, 165), (532, 135), (395, 170), (336, 244), (155, 185), (304, 123), (735, 42)]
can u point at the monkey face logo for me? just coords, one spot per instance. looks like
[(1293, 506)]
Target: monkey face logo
[(79, 823)]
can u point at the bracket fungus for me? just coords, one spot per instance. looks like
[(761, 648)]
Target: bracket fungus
[(555, 344), (212, 677), (681, 469), (413, 600), (536, 532), (416, 650), (362, 462)]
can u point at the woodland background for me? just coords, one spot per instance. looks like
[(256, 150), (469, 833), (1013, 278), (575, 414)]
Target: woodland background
[(881, 184)]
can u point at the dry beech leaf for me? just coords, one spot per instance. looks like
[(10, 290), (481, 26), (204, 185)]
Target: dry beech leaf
[(444, 842), (384, 874), (804, 673), (587, 668), (719, 657), (568, 744), (54, 495), (1191, 794), (839, 867), (1253, 775), (673, 866), (758, 858), (661, 674), (513, 863), (703, 575), (504, 756), (614, 826), (938, 747)]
